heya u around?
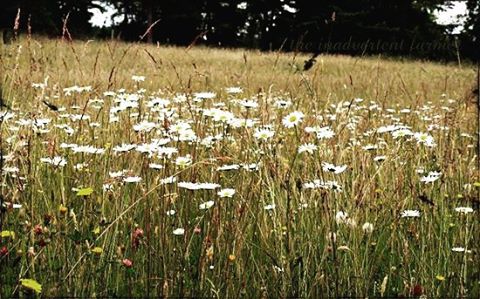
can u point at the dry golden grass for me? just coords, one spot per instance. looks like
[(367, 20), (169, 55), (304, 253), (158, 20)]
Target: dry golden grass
[(82, 245)]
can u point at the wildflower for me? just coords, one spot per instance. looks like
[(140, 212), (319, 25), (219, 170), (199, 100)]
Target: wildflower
[(440, 277), (464, 210), (263, 134), (136, 236), (233, 90), (204, 95), (138, 78), (370, 147), (127, 263), (132, 179), (282, 104), (169, 180), (250, 167), (228, 167), (183, 161), (171, 212), (325, 133), (390, 128), (249, 104), (197, 230), (292, 119), (379, 158), (367, 227), (158, 102), (10, 205), (318, 184), (97, 250), (431, 177), (155, 166), (144, 126), (198, 186), (123, 148), (459, 249), (227, 192), (62, 209), (401, 133), (425, 138), (223, 116), (115, 174), (410, 213), (206, 205), (87, 149), (231, 258), (270, 207), (38, 229), (341, 217), (332, 168), (179, 232), (31, 251), (55, 161), (307, 147)]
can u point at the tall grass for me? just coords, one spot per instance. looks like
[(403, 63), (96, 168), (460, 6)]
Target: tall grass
[(274, 237)]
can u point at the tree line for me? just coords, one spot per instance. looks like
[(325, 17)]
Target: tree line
[(392, 27)]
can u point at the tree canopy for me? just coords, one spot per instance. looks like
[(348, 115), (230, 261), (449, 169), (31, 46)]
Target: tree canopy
[(405, 27)]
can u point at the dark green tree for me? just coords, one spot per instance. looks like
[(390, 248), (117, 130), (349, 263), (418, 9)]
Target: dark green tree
[(46, 16)]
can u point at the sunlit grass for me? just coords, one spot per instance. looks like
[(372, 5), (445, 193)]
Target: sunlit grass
[(160, 179)]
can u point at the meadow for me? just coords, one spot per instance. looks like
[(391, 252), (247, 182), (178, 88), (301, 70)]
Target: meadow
[(142, 170)]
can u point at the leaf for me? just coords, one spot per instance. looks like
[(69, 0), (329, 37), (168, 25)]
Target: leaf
[(7, 234), (85, 191), (76, 236), (32, 285)]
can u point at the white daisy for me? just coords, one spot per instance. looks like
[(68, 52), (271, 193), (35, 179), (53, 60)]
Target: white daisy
[(198, 186), (55, 161), (228, 167), (293, 119), (464, 210), (367, 227), (227, 192), (138, 78), (132, 179), (307, 147), (233, 90), (155, 166), (431, 177), (206, 205), (183, 161), (263, 134), (333, 168), (270, 207), (179, 232), (410, 213), (341, 217)]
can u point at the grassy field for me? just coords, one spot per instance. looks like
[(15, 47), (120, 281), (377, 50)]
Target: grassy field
[(134, 170)]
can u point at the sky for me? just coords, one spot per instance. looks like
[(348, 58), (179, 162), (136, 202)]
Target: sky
[(443, 17), (100, 19), (450, 16)]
